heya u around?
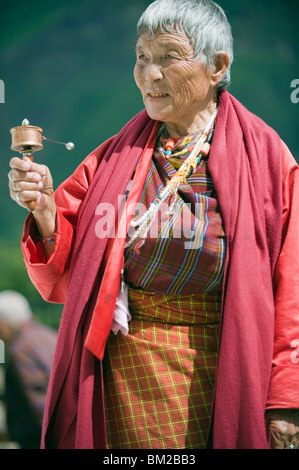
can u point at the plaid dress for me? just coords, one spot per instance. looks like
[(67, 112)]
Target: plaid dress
[(159, 379)]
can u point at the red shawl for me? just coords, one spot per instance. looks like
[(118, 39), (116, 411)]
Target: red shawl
[(245, 163)]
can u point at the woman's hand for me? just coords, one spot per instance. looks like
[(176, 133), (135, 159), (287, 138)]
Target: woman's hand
[(283, 426), (29, 181)]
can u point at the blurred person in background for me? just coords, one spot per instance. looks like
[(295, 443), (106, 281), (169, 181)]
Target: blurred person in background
[(29, 351)]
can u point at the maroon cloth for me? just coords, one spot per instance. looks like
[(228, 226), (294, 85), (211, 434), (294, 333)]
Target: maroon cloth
[(73, 406), (245, 164)]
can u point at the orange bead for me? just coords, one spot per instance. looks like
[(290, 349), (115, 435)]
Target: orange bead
[(169, 144)]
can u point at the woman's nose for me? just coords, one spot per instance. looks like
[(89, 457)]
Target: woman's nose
[(154, 72)]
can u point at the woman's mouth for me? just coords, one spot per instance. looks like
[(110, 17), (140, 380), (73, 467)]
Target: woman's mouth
[(156, 95)]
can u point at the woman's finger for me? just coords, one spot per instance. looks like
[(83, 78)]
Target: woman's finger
[(21, 164), (27, 196), (17, 175), (27, 186), (21, 167)]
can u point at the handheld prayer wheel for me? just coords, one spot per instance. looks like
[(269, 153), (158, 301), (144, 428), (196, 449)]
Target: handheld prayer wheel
[(27, 139)]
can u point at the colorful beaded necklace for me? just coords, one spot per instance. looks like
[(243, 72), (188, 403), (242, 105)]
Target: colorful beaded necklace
[(186, 169), (175, 151)]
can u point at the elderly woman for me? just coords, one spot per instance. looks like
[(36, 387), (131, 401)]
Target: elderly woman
[(172, 248)]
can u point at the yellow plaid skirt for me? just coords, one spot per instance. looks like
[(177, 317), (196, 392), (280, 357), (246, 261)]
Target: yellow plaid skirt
[(159, 379)]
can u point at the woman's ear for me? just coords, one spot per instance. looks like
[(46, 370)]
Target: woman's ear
[(221, 63)]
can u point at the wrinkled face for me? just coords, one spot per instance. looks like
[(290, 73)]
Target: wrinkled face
[(174, 85)]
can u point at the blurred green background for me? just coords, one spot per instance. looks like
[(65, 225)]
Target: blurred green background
[(67, 67)]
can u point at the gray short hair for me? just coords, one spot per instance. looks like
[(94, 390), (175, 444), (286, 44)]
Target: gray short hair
[(203, 21)]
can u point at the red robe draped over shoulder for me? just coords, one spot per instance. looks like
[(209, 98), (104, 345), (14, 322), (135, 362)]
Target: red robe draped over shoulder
[(256, 180)]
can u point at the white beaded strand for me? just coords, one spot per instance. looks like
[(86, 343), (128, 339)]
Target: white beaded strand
[(145, 221)]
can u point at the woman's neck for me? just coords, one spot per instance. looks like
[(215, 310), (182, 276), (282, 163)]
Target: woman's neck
[(191, 124)]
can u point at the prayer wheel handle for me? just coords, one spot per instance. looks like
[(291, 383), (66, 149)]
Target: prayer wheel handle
[(27, 139)]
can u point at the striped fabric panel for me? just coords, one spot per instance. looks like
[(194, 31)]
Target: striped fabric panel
[(171, 260), (159, 379)]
